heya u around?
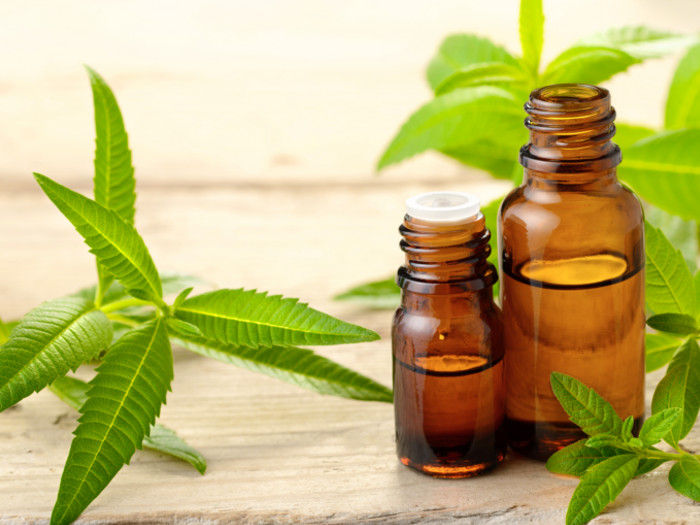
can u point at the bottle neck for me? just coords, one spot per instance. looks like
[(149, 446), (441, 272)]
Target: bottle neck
[(446, 258), (571, 127)]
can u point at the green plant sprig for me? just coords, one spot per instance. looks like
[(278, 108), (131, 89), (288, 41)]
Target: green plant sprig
[(127, 323), (608, 459)]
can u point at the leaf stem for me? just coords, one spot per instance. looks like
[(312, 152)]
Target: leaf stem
[(124, 303), (122, 319)]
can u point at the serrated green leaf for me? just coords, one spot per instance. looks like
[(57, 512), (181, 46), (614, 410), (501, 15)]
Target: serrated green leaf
[(123, 402), (462, 51), (55, 337), (679, 324), (575, 459), (680, 387), (73, 392), (600, 486), (669, 283), (657, 426), (587, 65), (585, 407), (684, 477), (179, 326), (115, 243), (682, 234), (384, 294), (457, 118), (683, 103), (500, 160), (639, 41), (627, 425), (628, 134), (603, 440), (506, 76), (660, 349), (664, 169), (297, 366), (248, 318), (531, 34), (114, 175)]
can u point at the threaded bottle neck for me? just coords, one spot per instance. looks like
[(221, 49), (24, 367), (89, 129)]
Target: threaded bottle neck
[(571, 127), (445, 258)]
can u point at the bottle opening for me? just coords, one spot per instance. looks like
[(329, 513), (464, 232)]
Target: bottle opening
[(443, 206), (563, 93)]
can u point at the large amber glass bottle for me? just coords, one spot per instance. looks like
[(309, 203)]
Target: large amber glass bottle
[(449, 395), (571, 245)]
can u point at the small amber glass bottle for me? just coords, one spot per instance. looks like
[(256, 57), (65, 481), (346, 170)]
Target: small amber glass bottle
[(571, 243), (449, 396)]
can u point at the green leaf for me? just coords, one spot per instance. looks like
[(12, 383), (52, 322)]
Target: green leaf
[(500, 160), (639, 41), (599, 487), (166, 441), (679, 324), (123, 402), (55, 337), (73, 392), (664, 169), (696, 283), (575, 459), (657, 426), (682, 234), (531, 33), (684, 477), (115, 243), (297, 366), (628, 134), (462, 51), (184, 294), (648, 464), (114, 175), (457, 118), (248, 318), (506, 76), (603, 440), (669, 283), (587, 65), (179, 326), (4, 332), (627, 425), (660, 349), (683, 103), (585, 407), (384, 294), (680, 387)]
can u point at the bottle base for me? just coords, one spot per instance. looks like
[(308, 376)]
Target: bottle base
[(444, 470), (539, 440)]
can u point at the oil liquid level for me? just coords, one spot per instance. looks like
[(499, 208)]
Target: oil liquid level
[(450, 414), (584, 317)]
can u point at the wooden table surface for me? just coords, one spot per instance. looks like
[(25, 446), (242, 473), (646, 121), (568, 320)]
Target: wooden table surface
[(255, 126)]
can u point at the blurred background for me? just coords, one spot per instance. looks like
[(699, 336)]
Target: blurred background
[(255, 126)]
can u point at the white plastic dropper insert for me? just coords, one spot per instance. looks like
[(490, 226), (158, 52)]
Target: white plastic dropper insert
[(443, 206)]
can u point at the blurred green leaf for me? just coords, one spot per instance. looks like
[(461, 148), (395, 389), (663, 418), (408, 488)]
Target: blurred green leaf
[(679, 324), (660, 349), (462, 51), (683, 103), (384, 294), (669, 283), (531, 34), (457, 118), (628, 134), (639, 41), (664, 169), (682, 234), (587, 65), (500, 160), (506, 76)]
